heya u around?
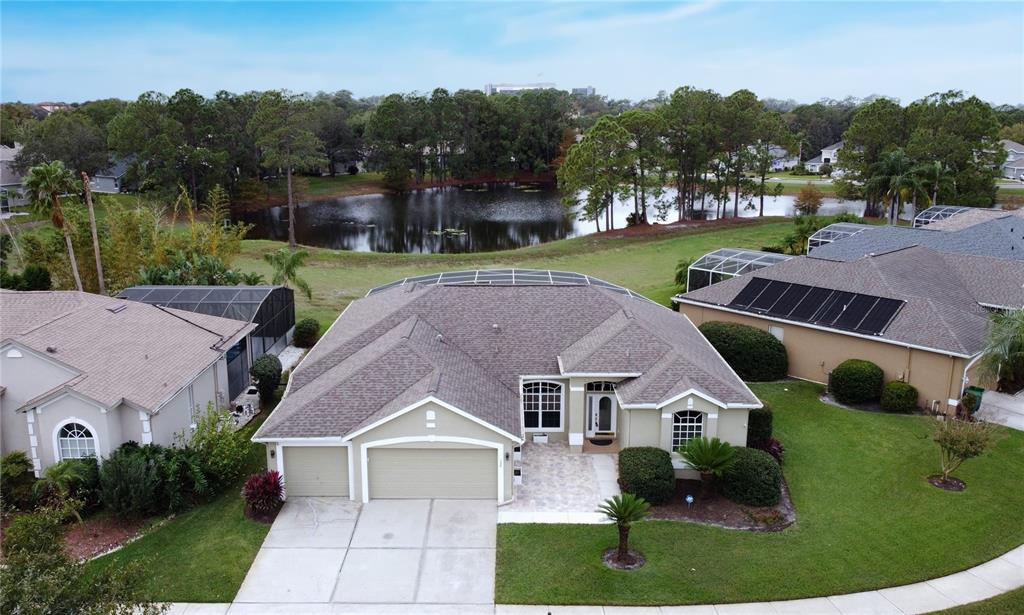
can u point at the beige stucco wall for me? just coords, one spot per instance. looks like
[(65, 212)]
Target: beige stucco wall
[(414, 423), (105, 426), (814, 353), (24, 378)]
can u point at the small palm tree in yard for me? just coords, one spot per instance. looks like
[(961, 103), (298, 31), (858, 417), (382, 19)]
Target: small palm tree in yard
[(1002, 358), (624, 510), (709, 457), (286, 268), (44, 186)]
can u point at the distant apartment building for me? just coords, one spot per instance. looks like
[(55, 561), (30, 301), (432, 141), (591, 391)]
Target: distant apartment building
[(587, 91), (50, 107), (515, 88)]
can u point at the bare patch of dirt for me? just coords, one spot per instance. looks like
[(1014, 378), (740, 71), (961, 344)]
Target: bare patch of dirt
[(718, 511), (100, 533), (634, 559), (950, 484)]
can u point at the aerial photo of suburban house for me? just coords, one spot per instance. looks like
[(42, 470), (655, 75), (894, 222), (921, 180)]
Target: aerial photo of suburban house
[(427, 387), (81, 374)]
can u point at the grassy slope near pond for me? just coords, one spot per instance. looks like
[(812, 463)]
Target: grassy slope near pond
[(866, 518), (644, 264)]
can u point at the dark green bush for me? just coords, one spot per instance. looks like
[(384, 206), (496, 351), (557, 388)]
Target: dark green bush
[(856, 381), (755, 354), (754, 479), (647, 472), (306, 332), (16, 482), (35, 277), (38, 533), (899, 397), (266, 371), (759, 426), (130, 483)]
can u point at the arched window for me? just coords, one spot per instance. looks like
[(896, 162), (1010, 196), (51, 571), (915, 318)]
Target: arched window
[(600, 386), (75, 441), (542, 406), (686, 425)]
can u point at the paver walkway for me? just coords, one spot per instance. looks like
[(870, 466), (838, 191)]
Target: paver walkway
[(994, 577)]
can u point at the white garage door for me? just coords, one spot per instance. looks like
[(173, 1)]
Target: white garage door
[(316, 470), (457, 473)]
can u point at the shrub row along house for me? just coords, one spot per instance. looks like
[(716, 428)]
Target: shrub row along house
[(81, 374), (914, 301), (427, 387)]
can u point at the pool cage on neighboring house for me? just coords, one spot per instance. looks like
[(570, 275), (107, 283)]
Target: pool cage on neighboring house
[(835, 232), (936, 213), (726, 263), (270, 308)]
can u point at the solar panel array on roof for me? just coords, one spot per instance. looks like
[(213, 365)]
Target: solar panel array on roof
[(837, 309)]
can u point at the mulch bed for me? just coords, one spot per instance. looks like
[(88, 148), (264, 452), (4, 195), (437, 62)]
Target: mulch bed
[(718, 511), (100, 533), (636, 559), (950, 484)]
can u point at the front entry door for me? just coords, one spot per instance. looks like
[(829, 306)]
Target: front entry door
[(601, 415)]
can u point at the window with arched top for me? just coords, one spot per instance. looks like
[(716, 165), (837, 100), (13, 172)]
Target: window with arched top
[(542, 406), (686, 425), (76, 441)]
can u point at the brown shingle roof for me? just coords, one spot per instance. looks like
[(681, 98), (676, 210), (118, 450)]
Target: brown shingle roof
[(141, 354)]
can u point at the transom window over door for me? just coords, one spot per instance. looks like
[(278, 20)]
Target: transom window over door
[(686, 425), (76, 441), (542, 406)]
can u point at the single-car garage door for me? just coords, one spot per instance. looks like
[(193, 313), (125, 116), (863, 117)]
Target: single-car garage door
[(466, 473), (316, 470)]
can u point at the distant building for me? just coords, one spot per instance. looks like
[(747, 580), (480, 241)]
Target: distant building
[(50, 107), (829, 155), (10, 181), (781, 159), (515, 88), (111, 179), (587, 91), (1013, 167)]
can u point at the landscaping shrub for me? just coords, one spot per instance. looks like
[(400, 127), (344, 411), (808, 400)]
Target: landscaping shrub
[(647, 472), (899, 397), (759, 426), (35, 277), (129, 483), (855, 381), (754, 479), (266, 371), (754, 354), (773, 447), (16, 482), (353, 169), (221, 449), (182, 479), (263, 493), (76, 479), (306, 332)]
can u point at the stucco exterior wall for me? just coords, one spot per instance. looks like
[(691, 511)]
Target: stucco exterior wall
[(446, 423), (105, 426), (24, 378), (814, 353), (175, 417)]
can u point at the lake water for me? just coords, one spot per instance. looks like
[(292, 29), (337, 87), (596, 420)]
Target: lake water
[(461, 220)]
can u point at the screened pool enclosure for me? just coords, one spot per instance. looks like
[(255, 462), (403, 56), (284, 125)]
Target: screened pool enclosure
[(270, 308), (835, 232), (936, 213), (726, 263)]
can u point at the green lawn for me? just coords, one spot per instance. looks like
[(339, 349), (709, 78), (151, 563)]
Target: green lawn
[(866, 519), (644, 264), (1010, 602), (204, 554)]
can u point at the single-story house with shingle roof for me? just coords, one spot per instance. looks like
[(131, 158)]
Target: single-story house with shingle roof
[(81, 374), (428, 387)]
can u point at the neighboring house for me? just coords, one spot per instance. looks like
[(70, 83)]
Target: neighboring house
[(918, 313), (427, 387), (829, 155), (81, 374), (782, 160), (270, 308), (585, 91), (111, 180), (953, 218), (10, 180), (515, 88), (1013, 167), (50, 107)]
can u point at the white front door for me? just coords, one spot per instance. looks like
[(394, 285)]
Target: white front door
[(601, 414)]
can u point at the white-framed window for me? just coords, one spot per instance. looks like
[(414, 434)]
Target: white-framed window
[(686, 425), (76, 441), (542, 406), (600, 386)]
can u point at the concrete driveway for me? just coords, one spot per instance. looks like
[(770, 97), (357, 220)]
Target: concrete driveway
[(386, 552)]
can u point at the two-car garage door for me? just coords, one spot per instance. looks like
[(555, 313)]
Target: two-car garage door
[(467, 473)]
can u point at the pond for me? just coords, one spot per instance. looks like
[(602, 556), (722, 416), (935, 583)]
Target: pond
[(447, 220)]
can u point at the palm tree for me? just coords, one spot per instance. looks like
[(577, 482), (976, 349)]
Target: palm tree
[(936, 176), (60, 480), (44, 186), (286, 267), (709, 457), (95, 237), (893, 177), (1002, 358), (624, 510)]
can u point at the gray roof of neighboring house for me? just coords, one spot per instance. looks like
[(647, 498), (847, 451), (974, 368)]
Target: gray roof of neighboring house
[(974, 215), (8, 177), (117, 168), (816, 160), (1012, 145), (140, 354), (1001, 237), (836, 145), (468, 345), (942, 291)]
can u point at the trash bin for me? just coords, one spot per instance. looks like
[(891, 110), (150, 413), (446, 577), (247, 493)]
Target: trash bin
[(975, 393)]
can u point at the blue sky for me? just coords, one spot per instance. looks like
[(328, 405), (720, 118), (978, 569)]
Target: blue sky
[(77, 51)]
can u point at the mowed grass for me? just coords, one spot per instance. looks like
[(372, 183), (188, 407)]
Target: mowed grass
[(1010, 602), (866, 518), (643, 264)]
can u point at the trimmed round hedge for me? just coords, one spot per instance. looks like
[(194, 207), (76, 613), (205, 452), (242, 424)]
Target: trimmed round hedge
[(647, 472), (899, 397), (306, 332), (754, 479), (856, 381), (754, 354)]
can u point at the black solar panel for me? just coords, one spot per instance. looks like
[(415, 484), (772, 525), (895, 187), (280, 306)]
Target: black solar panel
[(838, 309)]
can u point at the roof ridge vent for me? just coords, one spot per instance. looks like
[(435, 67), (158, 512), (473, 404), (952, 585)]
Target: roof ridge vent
[(628, 313), (412, 326), (410, 287), (117, 308)]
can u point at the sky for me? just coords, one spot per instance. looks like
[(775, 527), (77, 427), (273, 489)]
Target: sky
[(78, 51)]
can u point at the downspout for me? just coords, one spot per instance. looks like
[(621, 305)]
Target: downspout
[(967, 368)]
